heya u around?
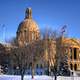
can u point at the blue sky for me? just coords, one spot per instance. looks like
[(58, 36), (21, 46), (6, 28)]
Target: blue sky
[(51, 13)]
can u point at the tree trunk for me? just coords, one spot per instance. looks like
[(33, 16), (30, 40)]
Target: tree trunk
[(22, 73), (32, 73), (32, 70), (49, 70), (55, 77), (22, 77)]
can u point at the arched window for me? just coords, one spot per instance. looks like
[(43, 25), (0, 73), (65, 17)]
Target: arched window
[(75, 67), (75, 53), (25, 33), (71, 66)]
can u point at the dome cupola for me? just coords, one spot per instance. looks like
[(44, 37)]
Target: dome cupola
[(28, 14), (28, 30)]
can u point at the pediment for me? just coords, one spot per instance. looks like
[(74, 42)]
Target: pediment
[(72, 42)]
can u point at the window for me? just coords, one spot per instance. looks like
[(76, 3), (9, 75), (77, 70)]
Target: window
[(75, 53), (25, 32), (71, 66), (41, 66), (30, 65), (75, 67), (37, 66)]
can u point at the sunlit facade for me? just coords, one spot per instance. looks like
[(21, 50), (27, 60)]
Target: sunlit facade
[(73, 49)]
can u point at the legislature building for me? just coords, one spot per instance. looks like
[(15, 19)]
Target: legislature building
[(45, 53)]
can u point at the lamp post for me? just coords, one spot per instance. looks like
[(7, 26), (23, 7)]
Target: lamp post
[(17, 68), (71, 74)]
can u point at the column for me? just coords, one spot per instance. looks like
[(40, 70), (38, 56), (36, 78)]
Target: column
[(73, 57)]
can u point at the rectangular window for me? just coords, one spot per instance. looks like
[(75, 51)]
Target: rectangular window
[(75, 53)]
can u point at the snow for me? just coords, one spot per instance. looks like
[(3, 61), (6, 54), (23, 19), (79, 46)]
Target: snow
[(37, 77), (14, 77), (9, 77)]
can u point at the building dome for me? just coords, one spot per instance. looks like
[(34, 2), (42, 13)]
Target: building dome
[(28, 24), (28, 30)]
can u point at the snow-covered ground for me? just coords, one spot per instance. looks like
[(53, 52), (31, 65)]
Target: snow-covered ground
[(43, 77), (14, 77)]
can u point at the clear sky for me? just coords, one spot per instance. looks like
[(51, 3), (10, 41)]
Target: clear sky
[(51, 13)]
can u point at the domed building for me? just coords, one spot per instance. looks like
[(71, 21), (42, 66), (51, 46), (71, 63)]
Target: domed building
[(40, 54), (28, 30)]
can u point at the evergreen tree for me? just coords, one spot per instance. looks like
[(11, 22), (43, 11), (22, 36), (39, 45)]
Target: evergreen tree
[(63, 68)]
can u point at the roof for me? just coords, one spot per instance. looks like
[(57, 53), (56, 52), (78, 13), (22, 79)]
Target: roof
[(28, 24)]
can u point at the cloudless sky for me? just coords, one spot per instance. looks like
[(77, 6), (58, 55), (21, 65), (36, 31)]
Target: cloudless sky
[(51, 13)]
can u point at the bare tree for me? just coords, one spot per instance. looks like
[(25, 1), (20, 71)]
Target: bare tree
[(60, 54), (36, 51), (20, 59), (49, 38), (40, 49)]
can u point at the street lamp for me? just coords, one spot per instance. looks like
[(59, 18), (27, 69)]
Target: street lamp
[(17, 68), (71, 74)]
